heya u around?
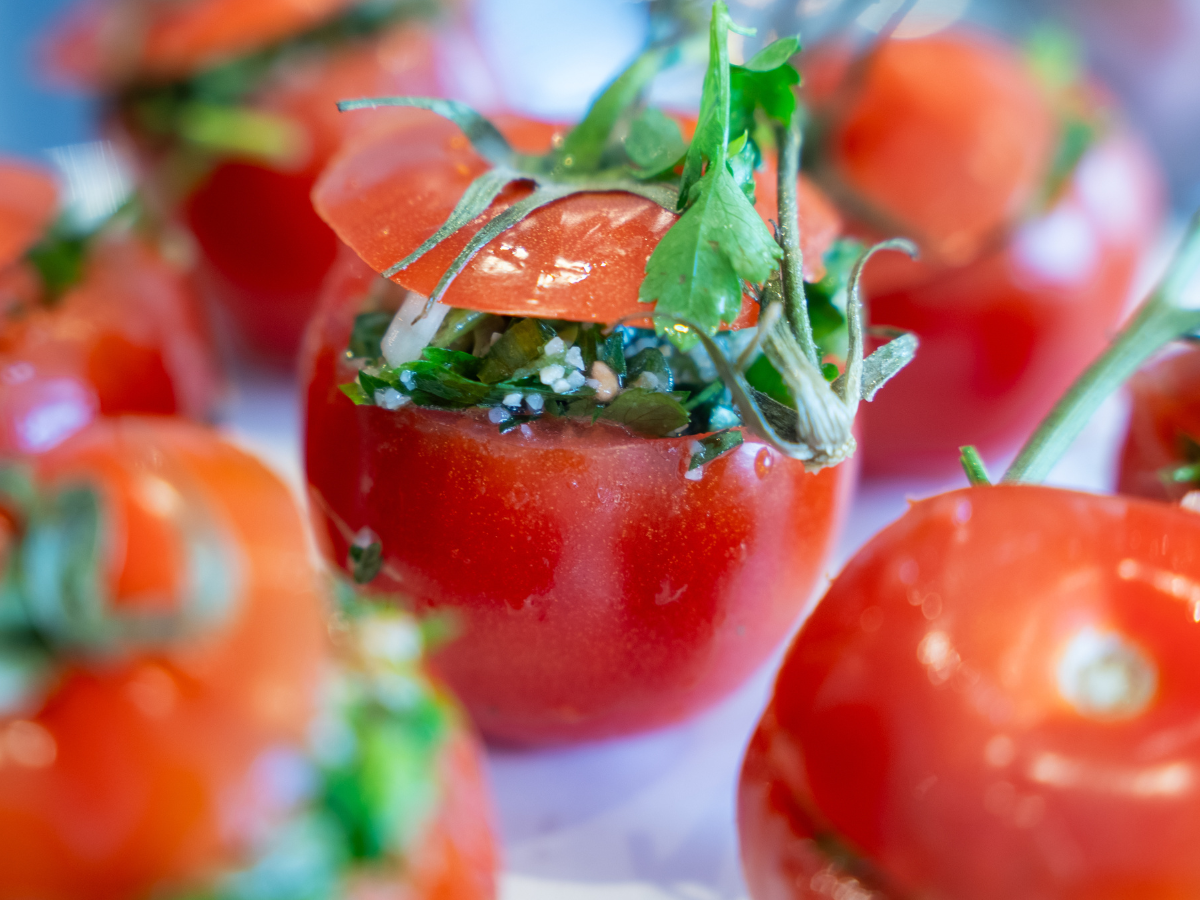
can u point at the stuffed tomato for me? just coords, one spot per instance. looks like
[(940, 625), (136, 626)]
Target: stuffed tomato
[(230, 110), (506, 438), (166, 666), (1033, 207), (95, 322), (599, 584)]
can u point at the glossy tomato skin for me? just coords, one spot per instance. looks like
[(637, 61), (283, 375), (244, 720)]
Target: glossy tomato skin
[(993, 700), (128, 338), (1164, 422), (1004, 335), (141, 768), (597, 590)]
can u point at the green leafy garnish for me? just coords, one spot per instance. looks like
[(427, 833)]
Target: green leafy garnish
[(766, 82), (367, 336), (651, 413), (714, 445)]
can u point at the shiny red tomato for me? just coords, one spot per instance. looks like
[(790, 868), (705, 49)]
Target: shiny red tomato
[(597, 589), (581, 258), (127, 338), (1164, 426), (136, 766), (263, 251), (949, 139), (996, 699)]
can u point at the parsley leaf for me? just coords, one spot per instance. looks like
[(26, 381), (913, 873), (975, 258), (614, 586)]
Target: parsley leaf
[(651, 413), (367, 337), (697, 269), (712, 127), (714, 445), (654, 143)]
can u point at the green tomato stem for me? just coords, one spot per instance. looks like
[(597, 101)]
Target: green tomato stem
[(972, 464), (788, 139), (1161, 319)]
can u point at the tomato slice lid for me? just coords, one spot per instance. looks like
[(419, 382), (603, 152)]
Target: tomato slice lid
[(581, 258), (28, 203), (102, 43)]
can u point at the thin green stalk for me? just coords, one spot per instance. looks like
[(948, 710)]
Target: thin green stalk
[(972, 464), (788, 139), (1161, 320)]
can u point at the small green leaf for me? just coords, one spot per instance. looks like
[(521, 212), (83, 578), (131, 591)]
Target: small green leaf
[(518, 348), (712, 126), (364, 562), (714, 445), (464, 364), (774, 55), (697, 269), (583, 149), (654, 143), (772, 91), (651, 413), (59, 260), (356, 394), (369, 329), (1185, 474), (458, 323), (651, 361), (241, 131)]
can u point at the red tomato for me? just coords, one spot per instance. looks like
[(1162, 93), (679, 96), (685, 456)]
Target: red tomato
[(949, 139), (1004, 335), (598, 591), (28, 202), (263, 251), (995, 699), (1164, 425), (581, 258), (948, 136), (132, 770), (99, 44), (128, 338)]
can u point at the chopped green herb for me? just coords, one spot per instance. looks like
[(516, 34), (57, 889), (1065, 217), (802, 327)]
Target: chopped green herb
[(651, 413), (369, 329), (714, 445), (651, 362), (365, 561), (59, 261), (518, 348)]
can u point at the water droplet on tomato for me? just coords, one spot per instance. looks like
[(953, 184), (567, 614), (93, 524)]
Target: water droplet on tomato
[(763, 463)]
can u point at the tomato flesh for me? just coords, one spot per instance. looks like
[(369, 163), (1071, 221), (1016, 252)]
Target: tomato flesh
[(1164, 426), (128, 338), (597, 590), (993, 700)]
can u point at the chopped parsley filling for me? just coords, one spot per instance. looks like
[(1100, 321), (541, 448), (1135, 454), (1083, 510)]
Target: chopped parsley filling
[(522, 369)]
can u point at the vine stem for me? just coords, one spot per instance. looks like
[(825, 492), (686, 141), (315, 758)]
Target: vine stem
[(1163, 318), (788, 139)]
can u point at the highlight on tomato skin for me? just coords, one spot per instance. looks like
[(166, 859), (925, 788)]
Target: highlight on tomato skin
[(230, 110), (127, 336), (1163, 436), (184, 760), (559, 552), (1026, 268), (990, 702)]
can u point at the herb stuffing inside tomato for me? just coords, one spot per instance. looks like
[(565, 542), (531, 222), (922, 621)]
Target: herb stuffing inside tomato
[(551, 435)]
